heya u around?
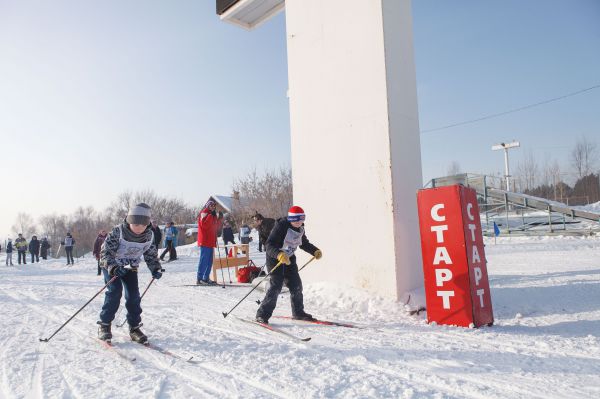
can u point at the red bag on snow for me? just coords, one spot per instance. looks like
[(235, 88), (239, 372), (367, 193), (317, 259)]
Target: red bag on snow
[(247, 274)]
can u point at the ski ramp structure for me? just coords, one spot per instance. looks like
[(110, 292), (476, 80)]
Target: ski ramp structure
[(522, 214)]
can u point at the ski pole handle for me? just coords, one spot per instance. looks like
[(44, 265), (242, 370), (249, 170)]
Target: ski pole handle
[(225, 314)]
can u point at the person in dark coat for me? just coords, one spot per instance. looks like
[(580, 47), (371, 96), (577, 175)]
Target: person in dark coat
[(285, 238), (9, 251), (157, 234), (228, 236), (98, 247), (264, 227), (44, 247), (34, 249)]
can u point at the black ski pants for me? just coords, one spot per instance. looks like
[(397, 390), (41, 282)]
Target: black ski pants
[(22, 254), (69, 251), (287, 274), (171, 250), (34, 257)]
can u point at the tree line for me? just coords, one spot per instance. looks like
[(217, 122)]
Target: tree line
[(269, 193)]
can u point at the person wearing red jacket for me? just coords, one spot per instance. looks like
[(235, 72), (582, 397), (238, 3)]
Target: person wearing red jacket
[(208, 226)]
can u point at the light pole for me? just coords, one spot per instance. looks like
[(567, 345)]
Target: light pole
[(505, 147)]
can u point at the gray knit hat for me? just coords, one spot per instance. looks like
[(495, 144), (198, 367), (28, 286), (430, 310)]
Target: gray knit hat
[(139, 214)]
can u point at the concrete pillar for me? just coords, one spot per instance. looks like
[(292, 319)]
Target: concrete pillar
[(356, 158)]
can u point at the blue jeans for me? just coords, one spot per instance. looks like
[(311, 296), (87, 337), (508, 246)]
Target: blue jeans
[(205, 262), (112, 298)]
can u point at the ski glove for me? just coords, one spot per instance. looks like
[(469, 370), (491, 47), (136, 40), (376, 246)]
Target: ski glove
[(318, 254), (157, 274), (283, 258), (118, 271)]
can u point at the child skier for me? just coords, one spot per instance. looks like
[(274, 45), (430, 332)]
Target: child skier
[(124, 246), (285, 238)]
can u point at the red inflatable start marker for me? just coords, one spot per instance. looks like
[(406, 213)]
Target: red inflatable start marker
[(456, 282)]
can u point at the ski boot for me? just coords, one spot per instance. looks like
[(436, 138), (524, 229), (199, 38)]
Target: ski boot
[(303, 316), (137, 335), (261, 320), (104, 333)]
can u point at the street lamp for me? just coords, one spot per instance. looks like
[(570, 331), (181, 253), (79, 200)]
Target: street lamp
[(505, 147)]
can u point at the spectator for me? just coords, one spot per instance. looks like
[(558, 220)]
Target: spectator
[(208, 226), (264, 227), (157, 234), (44, 247), (9, 251), (228, 236), (34, 249), (245, 233), (98, 247), (69, 243), (21, 245), (171, 234)]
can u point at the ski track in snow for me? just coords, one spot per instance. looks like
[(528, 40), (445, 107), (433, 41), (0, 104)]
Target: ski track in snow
[(544, 344)]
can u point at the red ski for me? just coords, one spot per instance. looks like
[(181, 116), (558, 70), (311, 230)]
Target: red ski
[(322, 322)]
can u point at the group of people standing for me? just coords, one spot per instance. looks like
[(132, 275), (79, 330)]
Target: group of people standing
[(35, 247)]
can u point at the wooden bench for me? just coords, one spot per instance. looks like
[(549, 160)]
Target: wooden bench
[(240, 257)]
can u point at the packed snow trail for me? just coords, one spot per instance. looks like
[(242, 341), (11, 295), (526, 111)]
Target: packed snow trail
[(545, 343)]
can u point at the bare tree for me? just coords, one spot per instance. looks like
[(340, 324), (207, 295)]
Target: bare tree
[(527, 172), (24, 225), (584, 157), (453, 169), (54, 227), (164, 209), (270, 194), (117, 210)]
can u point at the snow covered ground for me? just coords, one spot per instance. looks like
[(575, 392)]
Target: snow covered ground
[(544, 344)]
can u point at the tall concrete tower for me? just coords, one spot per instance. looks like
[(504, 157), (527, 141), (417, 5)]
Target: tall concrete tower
[(356, 157)]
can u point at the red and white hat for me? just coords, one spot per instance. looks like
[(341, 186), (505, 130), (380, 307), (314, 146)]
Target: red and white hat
[(296, 214)]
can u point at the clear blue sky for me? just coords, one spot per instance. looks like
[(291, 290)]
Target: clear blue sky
[(100, 97)]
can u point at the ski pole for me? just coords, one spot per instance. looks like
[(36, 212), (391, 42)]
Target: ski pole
[(306, 264), (143, 293), (221, 265), (80, 309), (227, 263), (225, 314)]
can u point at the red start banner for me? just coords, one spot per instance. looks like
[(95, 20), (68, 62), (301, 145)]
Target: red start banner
[(456, 281)]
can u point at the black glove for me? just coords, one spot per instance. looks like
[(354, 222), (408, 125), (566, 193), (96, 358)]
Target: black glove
[(118, 271), (214, 213), (157, 273), (220, 215)]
